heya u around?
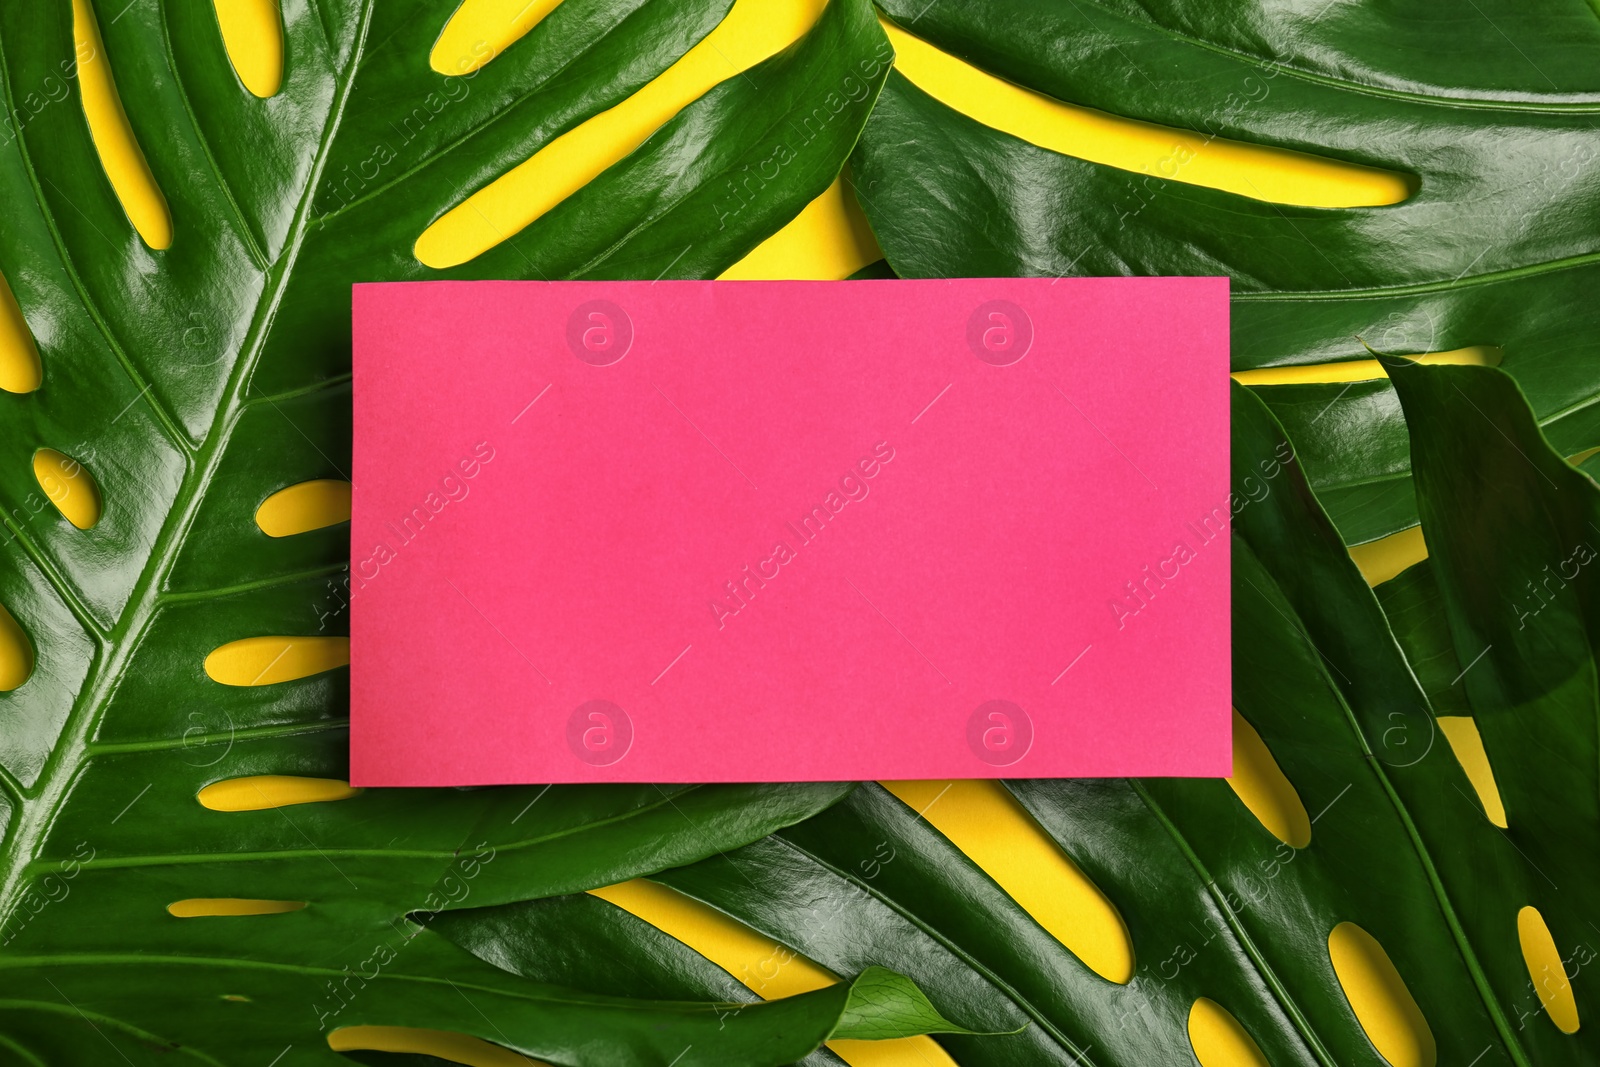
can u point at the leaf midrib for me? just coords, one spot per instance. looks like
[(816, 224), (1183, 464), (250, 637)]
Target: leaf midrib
[(175, 859), (101, 959), (74, 1010), (37, 815), (1389, 292), (188, 740)]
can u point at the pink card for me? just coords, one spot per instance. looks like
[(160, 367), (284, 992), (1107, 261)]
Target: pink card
[(790, 531)]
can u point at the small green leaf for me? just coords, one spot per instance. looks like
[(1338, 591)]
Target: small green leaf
[(883, 1005)]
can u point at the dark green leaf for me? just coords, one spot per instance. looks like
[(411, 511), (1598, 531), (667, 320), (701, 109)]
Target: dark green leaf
[(1215, 905), (1492, 110), (192, 383)]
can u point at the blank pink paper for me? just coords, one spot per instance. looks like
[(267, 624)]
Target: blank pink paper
[(790, 531)]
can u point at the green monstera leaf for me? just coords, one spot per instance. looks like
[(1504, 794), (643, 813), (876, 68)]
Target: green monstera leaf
[(1490, 112), (1393, 848), (190, 381)]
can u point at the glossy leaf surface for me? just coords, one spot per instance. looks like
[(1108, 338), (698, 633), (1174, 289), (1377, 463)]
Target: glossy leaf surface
[(1491, 111)]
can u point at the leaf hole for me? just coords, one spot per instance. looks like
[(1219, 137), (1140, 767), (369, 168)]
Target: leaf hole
[(16, 653), (1386, 557), (1218, 1040), (441, 1044), (69, 486), (1261, 785), (1461, 731), (830, 239), (1581, 456), (1378, 996), (120, 155), (986, 823), (252, 34), (482, 29), (304, 507), (261, 791), (198, 907), (270, 660), (20, 371), (1260, 172), (1546, 971)]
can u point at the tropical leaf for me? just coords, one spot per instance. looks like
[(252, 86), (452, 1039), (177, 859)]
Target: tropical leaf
[(1488, 114), (164, 889), (1391, 835), (166, 885)]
